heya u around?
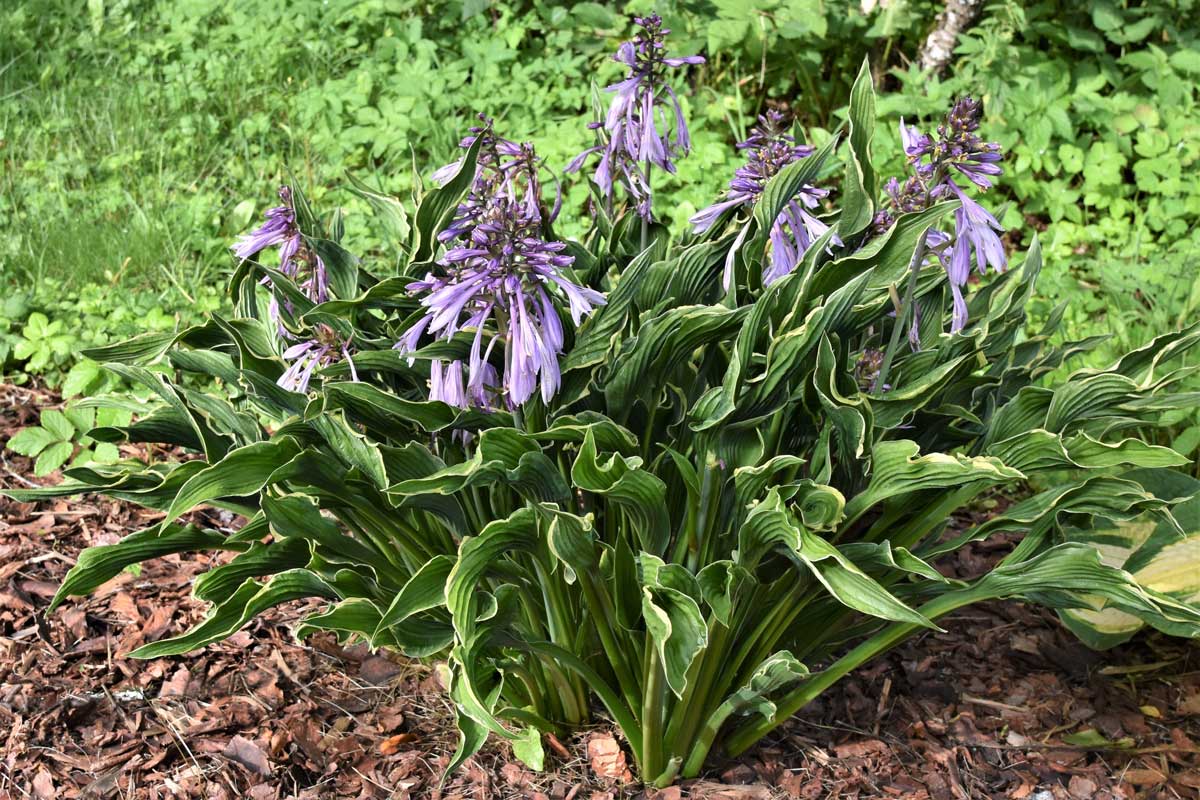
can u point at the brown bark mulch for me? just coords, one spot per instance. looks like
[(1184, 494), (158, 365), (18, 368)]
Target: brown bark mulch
[(1005, 704)]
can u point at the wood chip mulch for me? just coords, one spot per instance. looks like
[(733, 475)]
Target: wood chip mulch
[(1005, 704)]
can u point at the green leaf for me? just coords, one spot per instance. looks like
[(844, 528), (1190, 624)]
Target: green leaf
[(776, 672), (104, 562), (1186, 59), (105, 453), (849, 585), (351, 447), (341, 266), (242, 472), (52, 458), (527, 748), (662, 342), (479, 555), (355, 616), (1072, 576), (216, 585), (82, 419), (641, 493), (1092, 739), (438, 205), (859, 190), (251, 599), (82, 378), (31, 441), (598, 333), (502, 454), (56, 422), (674, 622), (388, 209), (1106, 16), (142, 348), (898, 468), (426, 590), (770, 526), (783, 188), (886, 257)]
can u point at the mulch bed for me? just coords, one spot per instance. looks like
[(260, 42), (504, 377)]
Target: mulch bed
[(1005, 704)]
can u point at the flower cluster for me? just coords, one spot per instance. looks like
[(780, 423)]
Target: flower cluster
[(296, 259), (325, 348), (499, 278), (957, 149), (642, 102), (769, 148), (300, 262)]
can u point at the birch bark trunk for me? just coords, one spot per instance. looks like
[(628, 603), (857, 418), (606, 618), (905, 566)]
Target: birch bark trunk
[(939, 46)]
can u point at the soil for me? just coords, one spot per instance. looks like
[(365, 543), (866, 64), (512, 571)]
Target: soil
[(1004, 704)]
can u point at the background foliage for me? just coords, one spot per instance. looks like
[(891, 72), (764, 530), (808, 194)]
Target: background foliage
[(140, 137)]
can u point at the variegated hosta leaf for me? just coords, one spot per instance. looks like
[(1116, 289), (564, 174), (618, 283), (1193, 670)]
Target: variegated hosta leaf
[(673, 618), (1162, 556), (101, 563), (1042, 450), (897, 468), (641, 493), (1100, 495), (251, 599), (771, 526), (503, 454)]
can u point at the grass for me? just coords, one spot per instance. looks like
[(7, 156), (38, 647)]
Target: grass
[(140, 140), (109, 180)]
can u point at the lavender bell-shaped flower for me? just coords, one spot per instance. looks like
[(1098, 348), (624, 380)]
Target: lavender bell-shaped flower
[(644, 126), (301, 263), (957, 149), (296, 259), (500, 279), (769, 149), (324, 349)]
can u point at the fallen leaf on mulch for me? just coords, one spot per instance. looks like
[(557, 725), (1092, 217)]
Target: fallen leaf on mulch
[(392, 744), (43, 785), (705, 790), (378, 671), (607, 758), (248, 754)]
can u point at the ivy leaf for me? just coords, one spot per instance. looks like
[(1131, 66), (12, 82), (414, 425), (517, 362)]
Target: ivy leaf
[(527, 747)]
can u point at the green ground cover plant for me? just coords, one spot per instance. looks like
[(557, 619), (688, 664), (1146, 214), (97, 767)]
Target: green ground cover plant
[(44, 330), (683, 476), (63, 436)]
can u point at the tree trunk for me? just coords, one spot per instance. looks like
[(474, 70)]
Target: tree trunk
[(939, 46)]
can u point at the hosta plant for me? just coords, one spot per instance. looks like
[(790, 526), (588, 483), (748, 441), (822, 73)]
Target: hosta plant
[(681, 480)]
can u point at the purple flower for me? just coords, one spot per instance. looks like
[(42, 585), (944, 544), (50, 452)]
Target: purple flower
[(644, 125), (279, 229), (916, 144), (957, 148), (296, 259), (308, 356), (769, 149), (500, 278)]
